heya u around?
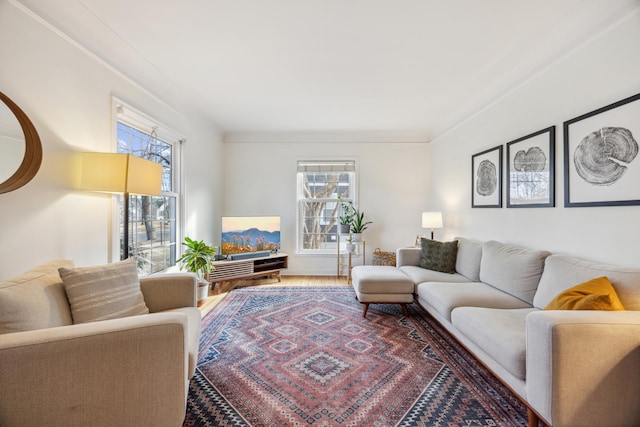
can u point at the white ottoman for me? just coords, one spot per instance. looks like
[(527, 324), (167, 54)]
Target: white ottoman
[(377, 284)]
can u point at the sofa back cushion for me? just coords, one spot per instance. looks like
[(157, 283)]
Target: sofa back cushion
[(562, 272), (512, 269), (34, 300), (469, 256)]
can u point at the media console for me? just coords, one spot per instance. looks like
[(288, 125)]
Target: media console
[(266, 266)]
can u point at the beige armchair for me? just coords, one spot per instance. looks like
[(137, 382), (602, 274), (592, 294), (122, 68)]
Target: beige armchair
[(132, 371)]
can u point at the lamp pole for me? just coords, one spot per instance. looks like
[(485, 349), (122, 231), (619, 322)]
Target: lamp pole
[(125, 237)]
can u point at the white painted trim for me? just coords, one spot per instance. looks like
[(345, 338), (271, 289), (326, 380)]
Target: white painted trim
[(136, 118)]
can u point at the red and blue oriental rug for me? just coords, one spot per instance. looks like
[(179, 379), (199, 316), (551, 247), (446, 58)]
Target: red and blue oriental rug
[(305, 356)]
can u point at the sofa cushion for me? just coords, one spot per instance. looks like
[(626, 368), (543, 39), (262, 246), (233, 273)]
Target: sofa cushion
[(512, 269), (498, 332), (380, 279), (562, 272), (438, 256), (445, 297), (468, 259), (103, 292), (419, 275), (34, 300), (595, 294)]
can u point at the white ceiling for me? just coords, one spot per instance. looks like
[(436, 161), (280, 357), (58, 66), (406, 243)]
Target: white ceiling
[(399, 69)]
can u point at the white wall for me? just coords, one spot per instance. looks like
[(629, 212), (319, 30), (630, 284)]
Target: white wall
[(67, 92), (602, 71), (260, 179), (202, 167)]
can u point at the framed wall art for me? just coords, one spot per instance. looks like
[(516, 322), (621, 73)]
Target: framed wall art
[(601, 162), (531, 170), (486, 178)]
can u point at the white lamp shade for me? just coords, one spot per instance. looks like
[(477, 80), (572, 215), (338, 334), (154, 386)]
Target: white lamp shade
[(121, 173), (144, 177), (431, 220)]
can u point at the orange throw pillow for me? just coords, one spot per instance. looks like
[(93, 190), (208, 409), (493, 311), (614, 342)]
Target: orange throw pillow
[(595, 294)]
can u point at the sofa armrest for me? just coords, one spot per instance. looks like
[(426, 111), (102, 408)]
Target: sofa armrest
[(408, 256), (130, 371), (583, 366), (168, 291)]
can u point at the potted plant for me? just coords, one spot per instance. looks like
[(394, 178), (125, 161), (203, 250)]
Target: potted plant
[(358, 224), (346, 217), (350, 246), (198, 258)]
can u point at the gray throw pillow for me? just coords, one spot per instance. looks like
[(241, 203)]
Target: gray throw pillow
[(103, 292), (439, 256)]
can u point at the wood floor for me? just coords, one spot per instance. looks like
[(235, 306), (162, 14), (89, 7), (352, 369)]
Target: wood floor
[(213, 300)]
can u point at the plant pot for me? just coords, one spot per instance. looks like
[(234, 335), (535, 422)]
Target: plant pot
[(344, 228), (356, 237), (203, 292), (351, 248)]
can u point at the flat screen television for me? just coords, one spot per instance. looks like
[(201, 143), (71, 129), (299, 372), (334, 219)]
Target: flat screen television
[(241, 234)]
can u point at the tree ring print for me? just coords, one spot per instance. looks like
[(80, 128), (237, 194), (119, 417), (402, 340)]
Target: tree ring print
[(487, 178), (532, 160), (603, 156)]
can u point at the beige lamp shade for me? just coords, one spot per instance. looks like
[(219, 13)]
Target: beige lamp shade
[(121, 173), (431, 220)]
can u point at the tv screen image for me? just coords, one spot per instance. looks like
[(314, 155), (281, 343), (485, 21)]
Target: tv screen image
[(241, 234)]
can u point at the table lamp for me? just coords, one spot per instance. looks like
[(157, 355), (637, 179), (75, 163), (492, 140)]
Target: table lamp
[(431, 220)]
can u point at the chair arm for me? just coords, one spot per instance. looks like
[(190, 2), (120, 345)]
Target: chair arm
[(130, 371), (583, 367), (407, 256), (168, 291)]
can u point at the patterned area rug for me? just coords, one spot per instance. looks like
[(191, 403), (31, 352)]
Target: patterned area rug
[(287, 356)]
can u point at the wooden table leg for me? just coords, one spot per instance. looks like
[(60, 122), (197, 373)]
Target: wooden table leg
[(217, 287)]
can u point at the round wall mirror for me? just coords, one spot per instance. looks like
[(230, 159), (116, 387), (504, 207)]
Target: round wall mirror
[(20, 148)]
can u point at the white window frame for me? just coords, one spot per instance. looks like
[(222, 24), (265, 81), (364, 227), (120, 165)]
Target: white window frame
[(322, 165), (130, 116)]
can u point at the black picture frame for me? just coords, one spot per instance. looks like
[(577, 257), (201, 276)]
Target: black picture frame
[(486, 178), (531, 170), (601, 161)]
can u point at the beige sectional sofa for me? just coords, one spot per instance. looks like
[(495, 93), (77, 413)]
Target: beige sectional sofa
[(571, 367), (130, 371)]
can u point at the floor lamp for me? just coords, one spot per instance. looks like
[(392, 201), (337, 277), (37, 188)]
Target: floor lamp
[(431, 220), (124, 174)]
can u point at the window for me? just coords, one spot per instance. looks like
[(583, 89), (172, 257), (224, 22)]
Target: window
[(153, 220), (319, 185)]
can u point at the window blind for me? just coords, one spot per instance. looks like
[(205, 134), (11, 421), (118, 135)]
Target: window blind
[(326, 166)]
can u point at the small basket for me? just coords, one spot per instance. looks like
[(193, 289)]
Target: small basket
[(384, 258)]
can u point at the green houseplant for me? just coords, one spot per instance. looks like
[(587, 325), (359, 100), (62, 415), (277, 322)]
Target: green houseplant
[(346, 217), (358, 224), (198, 258)]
